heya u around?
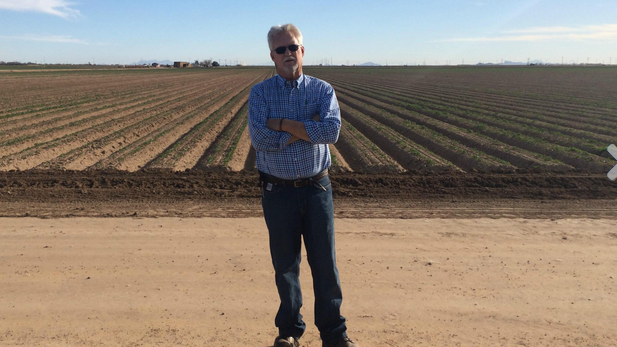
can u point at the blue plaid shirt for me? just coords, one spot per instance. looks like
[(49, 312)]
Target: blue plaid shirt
[(299, 100)]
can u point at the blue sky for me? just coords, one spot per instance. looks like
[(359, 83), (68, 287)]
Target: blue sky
[(346, 32)]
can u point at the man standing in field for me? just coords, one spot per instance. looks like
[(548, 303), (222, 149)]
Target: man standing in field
[(292, 119)]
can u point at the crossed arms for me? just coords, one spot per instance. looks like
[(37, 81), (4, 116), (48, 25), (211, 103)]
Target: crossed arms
[(266, 135)]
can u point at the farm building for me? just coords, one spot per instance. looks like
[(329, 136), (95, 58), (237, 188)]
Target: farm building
[(182, 64)]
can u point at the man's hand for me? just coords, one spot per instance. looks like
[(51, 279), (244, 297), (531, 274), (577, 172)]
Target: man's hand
[(292, 140), (275, 123)]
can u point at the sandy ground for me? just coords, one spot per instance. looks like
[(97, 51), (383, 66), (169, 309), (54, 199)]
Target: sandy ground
[(209, 282)]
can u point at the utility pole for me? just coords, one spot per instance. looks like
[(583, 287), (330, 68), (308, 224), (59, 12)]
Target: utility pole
[(562, 60)]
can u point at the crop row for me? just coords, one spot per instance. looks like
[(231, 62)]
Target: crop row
[(390, 123), (567, 118), (93, 141), (561, 135), (508, 135), (467, 92), (89, 118)]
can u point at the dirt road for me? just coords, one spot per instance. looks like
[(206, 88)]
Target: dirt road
[(209, 282)]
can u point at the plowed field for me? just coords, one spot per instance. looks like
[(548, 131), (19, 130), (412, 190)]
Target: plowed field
[(417, 134)]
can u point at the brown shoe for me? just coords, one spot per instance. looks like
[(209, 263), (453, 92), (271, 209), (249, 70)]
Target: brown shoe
[(282, 341), (344, 342)]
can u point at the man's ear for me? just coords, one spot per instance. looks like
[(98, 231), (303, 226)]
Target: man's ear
[(302, 48), (272, 55)]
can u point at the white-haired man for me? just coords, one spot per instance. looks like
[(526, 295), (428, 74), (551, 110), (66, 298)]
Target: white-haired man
[(292, 119)]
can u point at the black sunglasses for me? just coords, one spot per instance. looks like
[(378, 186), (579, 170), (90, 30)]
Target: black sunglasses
[(282, 49)]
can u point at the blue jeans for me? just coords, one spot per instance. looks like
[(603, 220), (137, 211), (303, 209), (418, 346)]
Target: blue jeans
[(291, 213)]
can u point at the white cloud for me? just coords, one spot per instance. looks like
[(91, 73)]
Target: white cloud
[(542, 30), (583, 33), (47, 38), (61, 8)]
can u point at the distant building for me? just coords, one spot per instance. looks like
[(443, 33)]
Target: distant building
[(182, 64), (155, 64)]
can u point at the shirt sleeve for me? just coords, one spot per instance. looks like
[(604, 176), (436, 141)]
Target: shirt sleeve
[(327, 130), (262, 138)]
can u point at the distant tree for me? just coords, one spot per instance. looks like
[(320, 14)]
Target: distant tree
[(206, 63), (215, 63), (2, 63), (196, 63)]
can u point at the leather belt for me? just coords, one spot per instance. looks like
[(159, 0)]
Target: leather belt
[(264, 177)]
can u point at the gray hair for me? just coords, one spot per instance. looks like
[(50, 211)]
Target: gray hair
[(279, 29)]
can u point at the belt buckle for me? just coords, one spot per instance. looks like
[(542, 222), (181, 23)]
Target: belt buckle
[(298, 183)]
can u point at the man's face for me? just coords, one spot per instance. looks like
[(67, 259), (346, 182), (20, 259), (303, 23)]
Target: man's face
[(288, 64)]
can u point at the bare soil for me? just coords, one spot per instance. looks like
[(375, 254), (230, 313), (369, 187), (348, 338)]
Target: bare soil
[(196, 193), (209, 282)]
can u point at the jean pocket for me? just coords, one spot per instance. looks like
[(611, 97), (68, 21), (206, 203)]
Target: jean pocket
[(270, 188), (323, 183)]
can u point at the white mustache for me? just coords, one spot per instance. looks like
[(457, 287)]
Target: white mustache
[(288, 59)]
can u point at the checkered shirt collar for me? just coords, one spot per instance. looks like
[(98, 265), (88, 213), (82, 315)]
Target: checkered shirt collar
[(283, 82)]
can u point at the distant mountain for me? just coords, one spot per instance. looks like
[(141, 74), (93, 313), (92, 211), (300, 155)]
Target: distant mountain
[(369, 64), (149, 62), (507, 62)]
